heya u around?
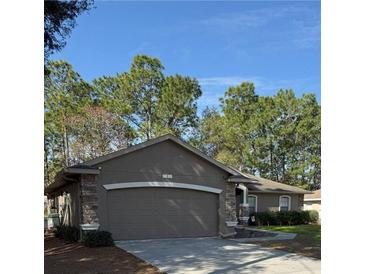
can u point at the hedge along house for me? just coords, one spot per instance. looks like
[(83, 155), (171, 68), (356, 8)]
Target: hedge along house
[(164, 188), (267, 195)]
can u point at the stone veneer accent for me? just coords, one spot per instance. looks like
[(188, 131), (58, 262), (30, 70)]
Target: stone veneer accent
[(301, 201), (230, 202), (88, 199)]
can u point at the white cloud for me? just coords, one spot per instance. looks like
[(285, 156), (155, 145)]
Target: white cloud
[(232, 22), (240, 21), (308, 36), (214, 87), (303, 26), (261, 84)]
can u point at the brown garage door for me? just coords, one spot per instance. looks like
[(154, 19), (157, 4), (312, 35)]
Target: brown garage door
[(145, 213)]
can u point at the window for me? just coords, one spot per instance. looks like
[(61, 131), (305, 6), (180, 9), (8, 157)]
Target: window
[(252, 203), (284, 203)]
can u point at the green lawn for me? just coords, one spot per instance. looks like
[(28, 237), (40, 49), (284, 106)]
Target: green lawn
[(307, 242), (313, 231)]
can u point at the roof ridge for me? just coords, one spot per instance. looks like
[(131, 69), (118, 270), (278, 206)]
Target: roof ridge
[(157, 140)]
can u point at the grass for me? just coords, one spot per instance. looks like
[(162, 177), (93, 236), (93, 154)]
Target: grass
[(312, 231), (307, 242)]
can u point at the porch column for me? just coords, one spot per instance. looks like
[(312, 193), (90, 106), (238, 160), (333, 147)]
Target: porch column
[(243, 207), (230, 207), (301, 201), (88, 199)]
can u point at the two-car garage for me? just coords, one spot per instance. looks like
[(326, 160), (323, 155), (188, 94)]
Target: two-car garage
[(162, 188), (162, 212)]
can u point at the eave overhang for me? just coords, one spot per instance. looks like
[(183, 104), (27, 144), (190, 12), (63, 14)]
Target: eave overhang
[(241, 179), (69, 175)]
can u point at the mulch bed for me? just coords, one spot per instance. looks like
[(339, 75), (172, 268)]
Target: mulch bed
[(69, 258)]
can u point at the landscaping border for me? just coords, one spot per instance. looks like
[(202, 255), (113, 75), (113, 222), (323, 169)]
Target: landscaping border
[(280, 236)]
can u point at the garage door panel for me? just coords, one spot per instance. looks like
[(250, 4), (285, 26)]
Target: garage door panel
[(143, 213)]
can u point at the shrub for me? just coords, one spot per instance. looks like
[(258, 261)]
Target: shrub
[(313, 216), (305, 217), (285, 217), (266, 218), (98, 238), (296, 218), (71, 234), (60, 231), (68, 233)]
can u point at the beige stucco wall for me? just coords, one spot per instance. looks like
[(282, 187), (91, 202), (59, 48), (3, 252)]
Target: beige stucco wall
[(313, 205)]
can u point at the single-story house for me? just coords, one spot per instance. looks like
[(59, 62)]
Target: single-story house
[(312, 201), (164, 188)]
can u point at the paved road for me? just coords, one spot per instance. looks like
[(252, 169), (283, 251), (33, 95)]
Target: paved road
[(214, 255)]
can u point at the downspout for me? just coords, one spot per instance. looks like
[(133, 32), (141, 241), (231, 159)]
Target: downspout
[(244, 190), (245, 195), (243, 212)]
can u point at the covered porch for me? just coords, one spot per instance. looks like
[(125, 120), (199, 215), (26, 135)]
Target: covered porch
[(244, 204), (71, 200)]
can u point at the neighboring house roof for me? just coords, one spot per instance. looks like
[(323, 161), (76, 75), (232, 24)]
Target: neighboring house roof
[(269, 186), (315, 196)]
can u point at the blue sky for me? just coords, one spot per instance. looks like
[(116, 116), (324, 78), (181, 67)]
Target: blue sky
[(275, 44)]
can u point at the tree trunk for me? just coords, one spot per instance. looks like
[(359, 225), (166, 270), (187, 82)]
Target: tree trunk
[(149, 125), (46, 171), (283, 169), (65, 144)]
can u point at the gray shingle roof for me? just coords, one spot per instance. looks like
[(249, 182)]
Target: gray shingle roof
[(269, 186)]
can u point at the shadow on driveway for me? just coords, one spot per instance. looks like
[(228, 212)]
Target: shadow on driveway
[(214, 255)]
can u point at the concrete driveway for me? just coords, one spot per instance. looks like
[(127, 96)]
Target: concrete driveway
[(214, 255)]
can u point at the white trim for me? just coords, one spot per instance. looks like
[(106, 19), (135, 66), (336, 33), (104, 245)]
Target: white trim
[(245, 219), (289, 198), (252, 195), (312, 200), (244, 205), (162, 184), (244, 189), (94, 226), (231, 223)]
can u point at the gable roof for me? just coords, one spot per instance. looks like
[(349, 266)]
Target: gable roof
[(235, 176), (315, 196), (268, 186)]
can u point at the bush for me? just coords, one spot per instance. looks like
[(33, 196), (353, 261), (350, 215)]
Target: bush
[(297, 218), (266, 218), (60, 231), (72, 234), (286, 217), (68, 233), (313, 216), (98, 238)]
